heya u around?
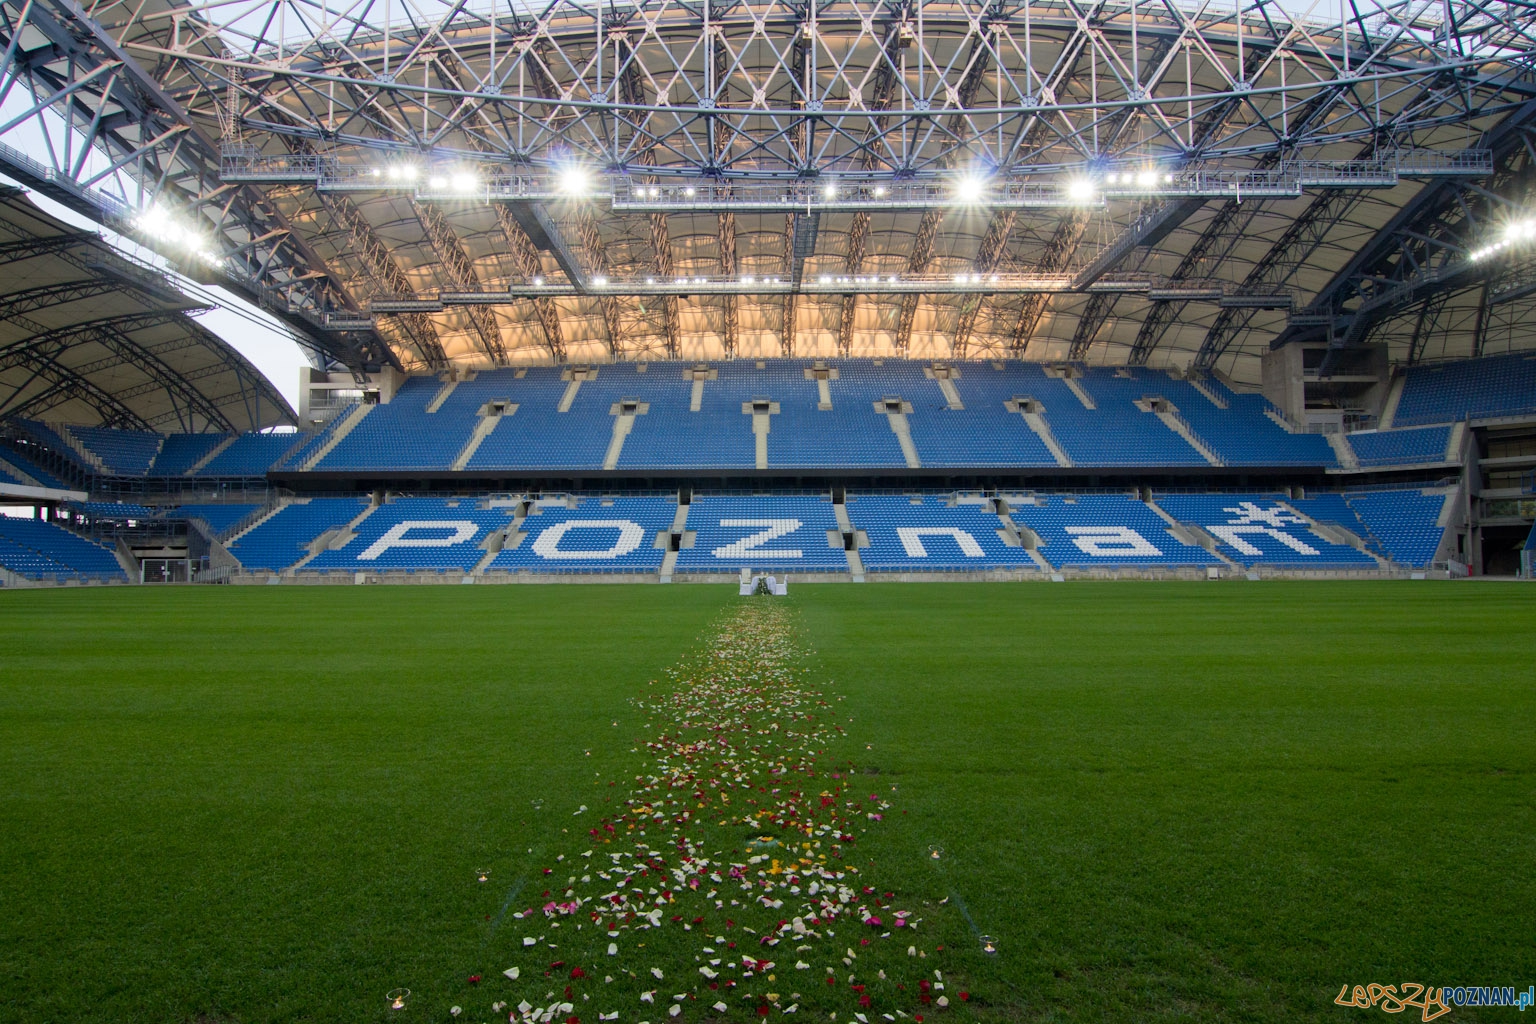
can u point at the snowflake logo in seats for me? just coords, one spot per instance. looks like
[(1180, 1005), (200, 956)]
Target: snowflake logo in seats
[(1249, 513)]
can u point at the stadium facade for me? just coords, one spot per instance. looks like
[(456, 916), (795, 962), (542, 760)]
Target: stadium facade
[(1022, 290)]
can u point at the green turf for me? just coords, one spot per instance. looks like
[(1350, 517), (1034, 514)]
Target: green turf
[(1166, 801)]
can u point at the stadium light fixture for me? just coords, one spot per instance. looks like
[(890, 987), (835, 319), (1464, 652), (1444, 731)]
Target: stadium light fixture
[(575, 181), (970, 189), (830, 190), (1517, 233), (1081, 190), (600, 282), (879, 191)]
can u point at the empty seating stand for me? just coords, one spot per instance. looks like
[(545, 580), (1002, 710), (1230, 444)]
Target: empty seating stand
[(589, 535), (764, 533), (931, 534), (1104, 531), (280, 540), (1471, 389), (1260, 530), (1404, 522), (417, 535), (1401, 447), (40, 550)]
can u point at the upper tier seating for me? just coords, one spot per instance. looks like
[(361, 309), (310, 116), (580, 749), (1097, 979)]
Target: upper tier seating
[(41, 550), (599, 535), (1471, 389), (1115, 433), (183, 451), (280, 540), (539, 435), (417, 534), (1400, 447), (403, 435), (251, 455), (1405, 523), (851, 433), (1243, 434), (1094, 531), (671, 435), (766, 533), (984, 433), (123, 452), (1257, 529), (220, 518), (931, 535)]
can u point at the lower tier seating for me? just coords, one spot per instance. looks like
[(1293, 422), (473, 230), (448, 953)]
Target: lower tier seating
[(1097, 531), (927, 534), (1259, 529), (41, 550), (765, 533), (597, 536)]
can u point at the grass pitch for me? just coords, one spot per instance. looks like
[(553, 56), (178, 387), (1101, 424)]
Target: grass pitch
[(1165, 801)]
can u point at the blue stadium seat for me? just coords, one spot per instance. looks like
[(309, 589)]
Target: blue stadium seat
[(1401, 447), (766, 533), (183, 451), (597, 536), (1405, 523), (1094, 531), (42, 550), (1470, 389), (280, 540), (1258, 529), (417, 535), (251, 455), (931, 535)]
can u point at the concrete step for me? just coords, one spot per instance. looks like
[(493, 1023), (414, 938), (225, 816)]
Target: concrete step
[(340, 430), (477, 437), (1343, 451), (441, 396), (263, 516), (91, 458), (1082, 396), (903, 432), (217, 450), (1042, 429), (1389, 407), (951, 393), (1169, 414), (1455, 443)]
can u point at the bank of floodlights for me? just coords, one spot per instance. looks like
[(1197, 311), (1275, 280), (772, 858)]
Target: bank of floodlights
[(1520, 233), (174, 232)]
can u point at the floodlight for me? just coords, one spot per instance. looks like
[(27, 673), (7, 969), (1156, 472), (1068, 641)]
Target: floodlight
[(1080, 190), (438, 183), (600, 282), (1146, 179), (970, 189), (879, 191), (830, 191), (465, 182), (688, 191), (575, 181)]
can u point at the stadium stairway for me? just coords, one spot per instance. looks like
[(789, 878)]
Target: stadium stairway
[(1188, 533), (213, 453), (1337, 533), (1343, 451), (79, 450), (1034, 417), (896, 415), (489, 420), (679, 530), (334, 539), (338, 430), (1169, 414), (16, 473)]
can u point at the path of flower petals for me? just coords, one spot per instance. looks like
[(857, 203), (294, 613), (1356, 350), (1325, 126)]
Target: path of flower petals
[(724, 890)]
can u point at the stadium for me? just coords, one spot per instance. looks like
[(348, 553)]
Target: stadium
[(801, 336)]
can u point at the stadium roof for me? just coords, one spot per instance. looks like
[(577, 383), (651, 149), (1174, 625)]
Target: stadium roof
[(89, 335), (471, 184)]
